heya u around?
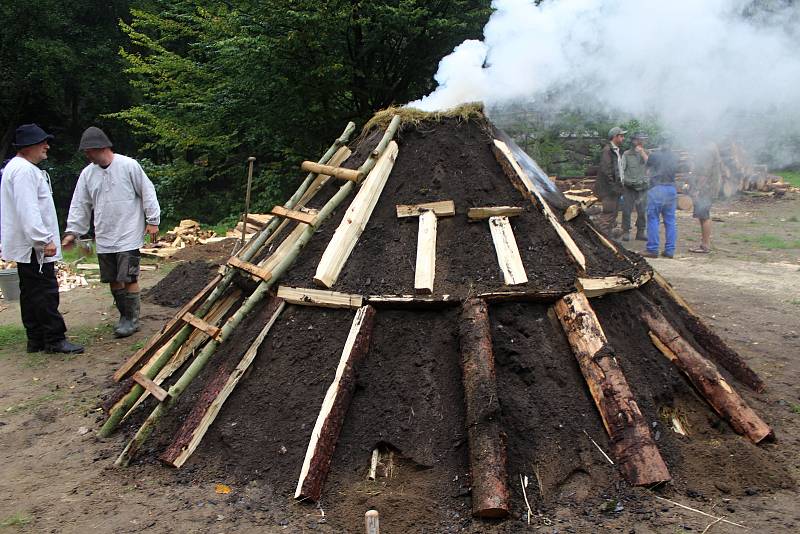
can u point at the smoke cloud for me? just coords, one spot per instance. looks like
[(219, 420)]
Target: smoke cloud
[(705, 68)]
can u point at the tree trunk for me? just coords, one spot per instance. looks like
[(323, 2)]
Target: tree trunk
[(487, 446)]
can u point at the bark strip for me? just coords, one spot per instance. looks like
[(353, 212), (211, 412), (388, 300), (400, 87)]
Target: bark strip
[(487, 444)]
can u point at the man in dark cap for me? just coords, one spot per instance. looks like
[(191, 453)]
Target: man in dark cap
[(634, 187), (608, 186), (121, 196), (29, 229)]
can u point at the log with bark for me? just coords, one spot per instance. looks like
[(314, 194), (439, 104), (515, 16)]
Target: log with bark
[(632, 444), (487, 447)]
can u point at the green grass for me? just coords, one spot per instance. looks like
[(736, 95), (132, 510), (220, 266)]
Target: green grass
[(15, 520), (13, 340), (769, 241), (74, 255), (11, 334), (790, 177), (796, 408)]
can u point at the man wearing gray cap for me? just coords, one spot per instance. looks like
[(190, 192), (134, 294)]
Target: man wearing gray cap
[(635, 184), (121, 196), (29, 229), (608, 186)]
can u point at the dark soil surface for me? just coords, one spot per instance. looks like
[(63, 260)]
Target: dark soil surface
[(217, 252), (182, 283)]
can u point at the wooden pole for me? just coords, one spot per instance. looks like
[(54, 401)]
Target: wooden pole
[(705, 377), (337, 172), (633, 446), (250, 162), (388, 135), (487, 447), (334, 407)]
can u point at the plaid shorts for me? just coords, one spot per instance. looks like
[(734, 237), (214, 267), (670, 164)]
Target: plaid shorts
[(119, 266)]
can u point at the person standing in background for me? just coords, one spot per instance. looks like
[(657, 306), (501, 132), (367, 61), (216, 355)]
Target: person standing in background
[(662, 201), (704, 186), (634, 187), (608, 186)]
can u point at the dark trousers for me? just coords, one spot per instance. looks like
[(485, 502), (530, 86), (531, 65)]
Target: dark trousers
[(633, 199), (38, 302), (607, 220)]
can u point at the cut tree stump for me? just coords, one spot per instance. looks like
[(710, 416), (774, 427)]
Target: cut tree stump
[(505, 245), (487, 447), (715, 346), (334, 408), (705, 377), (213, 396), (632, 445), (355, 220)]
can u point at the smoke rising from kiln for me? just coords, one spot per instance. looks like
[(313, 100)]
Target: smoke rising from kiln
[(706, 69)]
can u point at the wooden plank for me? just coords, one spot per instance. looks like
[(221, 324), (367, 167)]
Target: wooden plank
[(150, 386), (477, 214), (168, 330), (595, 287), (319, 297), (213, 397), (334, 408), (522, 296), (200, 324), (411, 301), (523, 183), (425, 270), (295, 215), (337, 172), (635, 451), (355, 220), (442, 208), (507, 252), (255, 270)]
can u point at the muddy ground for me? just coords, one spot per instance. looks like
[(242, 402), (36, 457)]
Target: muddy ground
[(57, 477)]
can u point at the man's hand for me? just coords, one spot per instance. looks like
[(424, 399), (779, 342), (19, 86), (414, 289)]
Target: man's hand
[(50, 249), (152, 231), (68, 241)]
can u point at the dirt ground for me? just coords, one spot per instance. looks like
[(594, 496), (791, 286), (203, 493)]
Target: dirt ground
[(58, 477)]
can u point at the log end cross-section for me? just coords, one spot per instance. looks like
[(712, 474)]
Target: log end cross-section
[(634, 448), (334, 408)]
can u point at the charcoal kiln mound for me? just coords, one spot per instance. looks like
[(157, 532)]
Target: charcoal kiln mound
[(520, 362)]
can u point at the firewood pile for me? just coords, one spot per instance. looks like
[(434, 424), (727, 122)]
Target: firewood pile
[(66, 275), (187, 233), (410, 253)]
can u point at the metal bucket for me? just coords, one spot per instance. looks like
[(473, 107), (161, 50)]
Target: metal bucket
[(9, 284)]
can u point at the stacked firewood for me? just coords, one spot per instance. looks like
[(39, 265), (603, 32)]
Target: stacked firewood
[(255, 223), (187, 233)]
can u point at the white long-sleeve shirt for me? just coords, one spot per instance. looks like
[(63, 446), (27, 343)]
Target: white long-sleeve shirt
[(123, 200), (27, 213)]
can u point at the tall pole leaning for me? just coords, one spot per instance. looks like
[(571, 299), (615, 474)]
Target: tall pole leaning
[(250, 162)]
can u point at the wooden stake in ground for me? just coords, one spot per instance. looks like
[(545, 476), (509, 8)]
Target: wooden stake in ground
[(214, 394), (355, 220), (633, 446), (487, 447), (425, 269), (334, 408), (705, 377)]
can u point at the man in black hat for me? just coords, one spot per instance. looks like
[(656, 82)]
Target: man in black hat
[(29, 228), (121, 196)]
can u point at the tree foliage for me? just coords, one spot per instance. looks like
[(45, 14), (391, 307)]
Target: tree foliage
[(222, 80)]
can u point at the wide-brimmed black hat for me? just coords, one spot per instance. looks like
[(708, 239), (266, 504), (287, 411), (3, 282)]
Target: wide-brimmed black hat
[(30, 134)]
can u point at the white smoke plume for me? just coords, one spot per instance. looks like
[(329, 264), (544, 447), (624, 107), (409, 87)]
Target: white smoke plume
[(702, 65)]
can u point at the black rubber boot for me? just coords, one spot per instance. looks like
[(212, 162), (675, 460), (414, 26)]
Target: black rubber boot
[(63, 347), (129, 323), (119, 301)]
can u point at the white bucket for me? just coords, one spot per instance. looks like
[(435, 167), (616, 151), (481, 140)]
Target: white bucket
[(9, 284)]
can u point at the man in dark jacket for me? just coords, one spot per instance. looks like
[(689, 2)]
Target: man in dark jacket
[(608, 186)]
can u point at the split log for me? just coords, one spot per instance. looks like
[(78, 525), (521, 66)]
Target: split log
[(213, 396), (355, 220), (337, 172), (334, 408), (505, 245), (633, 446), (705, 377), (442, 208), (255, 270), (487, 447), (318, 297), (411, 301), (595, 287), (715, 347), (425, 270), (476, 214), (524, 185), (295, 215)]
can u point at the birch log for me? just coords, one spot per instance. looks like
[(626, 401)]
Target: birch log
[(633, 446), (705, 377), (487, 447), (334, 408)]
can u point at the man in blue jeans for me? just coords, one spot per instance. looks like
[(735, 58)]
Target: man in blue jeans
[(662, 201)]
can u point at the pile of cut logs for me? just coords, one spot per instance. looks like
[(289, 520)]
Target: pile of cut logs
[(187, 233), (205, 322)]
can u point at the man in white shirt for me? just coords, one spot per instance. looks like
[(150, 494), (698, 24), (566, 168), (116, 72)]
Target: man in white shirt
[(121, 196), (29, 229)]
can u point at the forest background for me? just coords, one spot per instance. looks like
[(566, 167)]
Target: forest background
[(192, 88)]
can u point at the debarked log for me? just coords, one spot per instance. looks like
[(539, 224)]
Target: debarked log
[(487, 447), (706, 378), (632, 444), (334, 408)]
